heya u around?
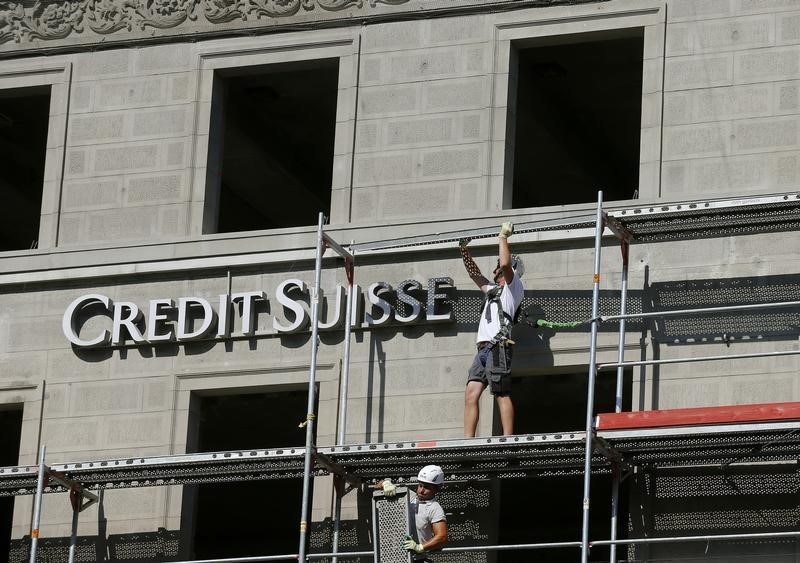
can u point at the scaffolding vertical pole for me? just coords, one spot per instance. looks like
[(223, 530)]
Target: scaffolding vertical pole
[(349, 271), (37, 506), (615, 477), (73, 539), (312, 376), (587, 466), (349, 268)]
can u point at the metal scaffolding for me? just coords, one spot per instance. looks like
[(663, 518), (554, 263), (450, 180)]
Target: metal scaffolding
[(590, 451)]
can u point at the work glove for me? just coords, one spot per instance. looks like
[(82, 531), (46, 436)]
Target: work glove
[(463, 242), (506, 229), (411, 545), (389, 488)]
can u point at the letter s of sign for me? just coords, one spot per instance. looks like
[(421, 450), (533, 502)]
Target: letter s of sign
[(69, 325), (374, 293), (301, 318), (403, 296)]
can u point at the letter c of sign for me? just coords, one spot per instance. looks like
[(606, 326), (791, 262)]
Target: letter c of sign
[(68, 321)]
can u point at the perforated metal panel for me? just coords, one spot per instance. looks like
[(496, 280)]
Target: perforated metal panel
[(717, 500), (773, 323), (143, 547), (55, 550), (391, 521), (707, 219), (162, 545), (470, 520)]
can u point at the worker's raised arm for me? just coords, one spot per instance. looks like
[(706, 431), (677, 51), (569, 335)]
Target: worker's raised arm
[(471, 267), (504, 253)]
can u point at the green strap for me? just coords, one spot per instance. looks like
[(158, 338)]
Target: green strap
[(557, 324)]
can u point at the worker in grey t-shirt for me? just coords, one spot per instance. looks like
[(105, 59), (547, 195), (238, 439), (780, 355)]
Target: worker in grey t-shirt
[(426, 513)]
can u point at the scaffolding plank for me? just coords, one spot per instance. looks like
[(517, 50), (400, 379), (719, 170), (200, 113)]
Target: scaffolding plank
[(698, 416), (526, 455), (652, 223)]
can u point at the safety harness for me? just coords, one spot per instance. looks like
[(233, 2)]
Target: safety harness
[(503, 336)]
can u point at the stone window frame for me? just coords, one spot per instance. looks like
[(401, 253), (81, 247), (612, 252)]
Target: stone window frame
[(339, 44), (29, 396), (58, 76), (243, 380), (573, 20)]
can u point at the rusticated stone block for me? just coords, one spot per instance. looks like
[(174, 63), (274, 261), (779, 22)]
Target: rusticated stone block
[(125, 158)]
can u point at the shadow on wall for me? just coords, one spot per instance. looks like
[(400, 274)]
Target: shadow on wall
[(762, 324)]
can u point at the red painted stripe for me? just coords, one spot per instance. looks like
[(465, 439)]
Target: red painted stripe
[(427, 444), (700, 415)]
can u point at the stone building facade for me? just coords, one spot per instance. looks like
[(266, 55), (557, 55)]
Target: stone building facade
[(177, 149)]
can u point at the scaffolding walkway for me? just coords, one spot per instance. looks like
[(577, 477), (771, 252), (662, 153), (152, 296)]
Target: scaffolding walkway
[(526, 455)]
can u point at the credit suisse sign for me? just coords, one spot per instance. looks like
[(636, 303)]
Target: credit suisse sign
[(238, 314)]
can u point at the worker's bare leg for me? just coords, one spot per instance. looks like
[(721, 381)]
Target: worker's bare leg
[(506, 414), (472, 395)]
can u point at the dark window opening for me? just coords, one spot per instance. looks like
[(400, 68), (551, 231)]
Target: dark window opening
[(247, 518), (557, 402), (548, 510), (575, 119), (24, 117), (271, 144), (11, 423)]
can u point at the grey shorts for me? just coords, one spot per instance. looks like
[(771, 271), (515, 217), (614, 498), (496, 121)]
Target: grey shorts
[(492, 367)]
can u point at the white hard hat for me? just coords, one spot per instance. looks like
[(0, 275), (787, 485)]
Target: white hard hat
[(431, 474)]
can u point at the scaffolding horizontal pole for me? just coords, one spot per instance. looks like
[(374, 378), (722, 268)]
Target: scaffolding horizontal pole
[(288, 557), (703, 310), (703, 206), (568, 222), (678, 539), (636, 363), (339, 249), (511, 547), (340, 554)]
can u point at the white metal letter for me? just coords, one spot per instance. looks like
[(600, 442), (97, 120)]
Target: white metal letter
[(336, 319), (433, 285), (376, 301), (403, 296), (301, 317), (248, 318), (154, 319), (223, 328), (134, 315), (208, 318), (68, 324)]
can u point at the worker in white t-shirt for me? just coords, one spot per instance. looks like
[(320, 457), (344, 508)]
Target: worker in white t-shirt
[(491, 366)]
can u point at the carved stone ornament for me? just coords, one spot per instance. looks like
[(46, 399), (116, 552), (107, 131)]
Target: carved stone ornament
[(165, 13), (108, 16), (55, 19), (221, 11), (11, 16), (59, 19)]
